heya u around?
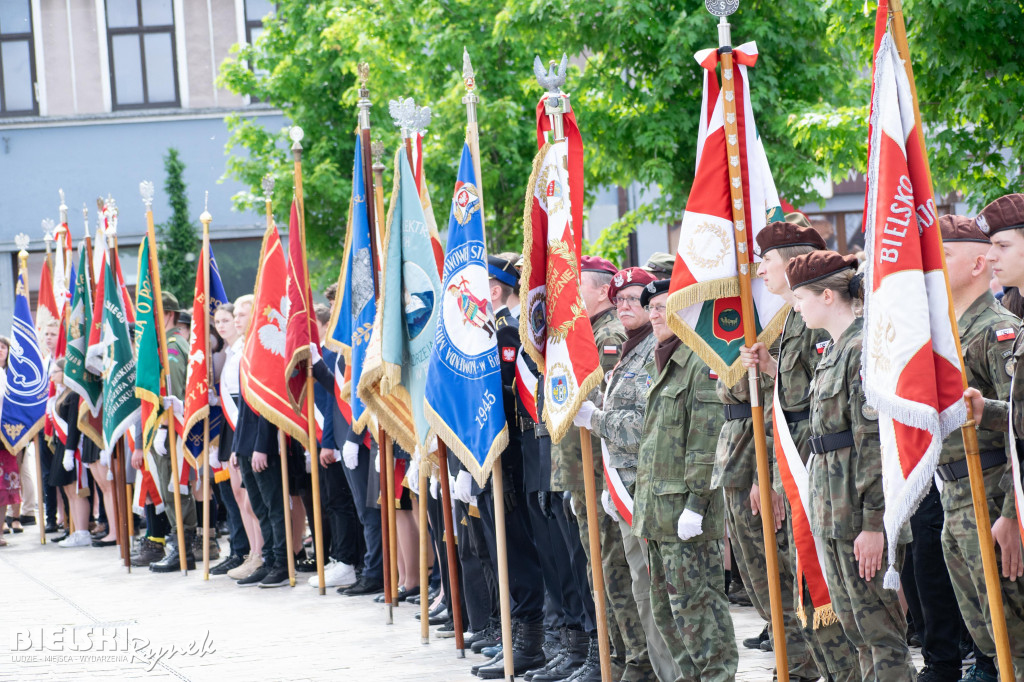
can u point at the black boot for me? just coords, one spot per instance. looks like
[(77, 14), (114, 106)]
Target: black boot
[(590, 671), (555, 659), (527, 652), (574, 655), (172, 562)]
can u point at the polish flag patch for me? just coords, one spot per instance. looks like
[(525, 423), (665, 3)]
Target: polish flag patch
[(611, 350), (712, 374), (508, 354), (821, 346), (1005, 334)]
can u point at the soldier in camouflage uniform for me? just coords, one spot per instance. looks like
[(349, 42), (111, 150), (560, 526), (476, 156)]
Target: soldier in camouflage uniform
[(676, 510), (618, 419), (792, 366), (847, 502), (992, 363), (629, 643)]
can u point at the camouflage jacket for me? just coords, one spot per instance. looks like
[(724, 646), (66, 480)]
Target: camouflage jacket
[(567, 455), (846, 484), (987, 332), (995, 417), (736, 455), (620, 417), (800, 349), (677, 451), (177, 360)]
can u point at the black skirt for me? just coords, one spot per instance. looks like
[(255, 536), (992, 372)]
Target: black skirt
[(59, 476), (90, 451)]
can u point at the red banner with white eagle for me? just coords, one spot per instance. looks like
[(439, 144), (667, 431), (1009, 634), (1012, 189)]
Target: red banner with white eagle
[(911, 368)]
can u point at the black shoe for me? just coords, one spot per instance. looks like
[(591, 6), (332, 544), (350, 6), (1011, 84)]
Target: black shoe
[(60, 538), (51, 527), (766, 646), (755, 642), (304, 564), (404, 594), (590, 671), (275, 577), (576, 646), (435, 611), (255, 578), (363, 586), (233, 561), (930, 674), (172, 562), (104, 543), (27, 520), (492, 638), (526, 651), (149, 552)]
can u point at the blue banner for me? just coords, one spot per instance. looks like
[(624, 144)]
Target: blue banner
[(463, 394), (27, 385)]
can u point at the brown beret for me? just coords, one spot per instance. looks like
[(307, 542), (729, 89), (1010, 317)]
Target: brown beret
[(1005, 213), (628, 278), (810, 267), (778, 234), (960, 228)]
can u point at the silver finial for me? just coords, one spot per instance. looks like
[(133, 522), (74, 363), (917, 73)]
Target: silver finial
[(377, 152), (110, 213), (205, 216), (146, 190), (467, 70), (420, 120), (296, 134), (402, 111), (551, 80), (48, 226), (268, 187), (22, 240), (722, 8)]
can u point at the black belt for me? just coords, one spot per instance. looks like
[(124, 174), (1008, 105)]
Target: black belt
[(527, 424), (741, 411), (831, 441), (794, 417), (954, 471)]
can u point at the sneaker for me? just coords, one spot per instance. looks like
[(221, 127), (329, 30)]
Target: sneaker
[(976, 674), (80, 538), (256, 577), (336, 574), (446, 631), (275, 577), (252, 562)]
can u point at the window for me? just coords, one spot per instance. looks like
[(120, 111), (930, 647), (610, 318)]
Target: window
[(255, 10), (143, 60), (17, 59)]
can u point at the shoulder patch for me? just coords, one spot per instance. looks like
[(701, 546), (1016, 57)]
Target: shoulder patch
[(1007, 353), (508, 354), (1009, 366), (821, 346), (611, 350), (869, 412), (1005, 334), (712, 374)]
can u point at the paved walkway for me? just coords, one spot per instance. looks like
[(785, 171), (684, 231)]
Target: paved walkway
[(184, 628)]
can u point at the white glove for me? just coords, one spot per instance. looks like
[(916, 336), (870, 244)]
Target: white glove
[(213, 398), (215, 457), (160, 442), (69, 460), (432, 445), (350, 453), (435, 486), (309, 462), (473, 502), (609, 506), (376, 462), (314, 354), (412, 473), (585, 415), (173, 403), (689, 525), (463, 488)]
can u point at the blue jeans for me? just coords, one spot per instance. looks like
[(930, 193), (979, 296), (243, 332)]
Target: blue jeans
[(369, 516)]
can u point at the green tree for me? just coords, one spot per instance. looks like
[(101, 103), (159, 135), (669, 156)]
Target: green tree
[(179, 240)]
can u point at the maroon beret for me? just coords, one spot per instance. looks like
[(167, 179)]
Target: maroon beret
[(960, 228), (628, 278), (1005, 213), (778, 234), (597, 264), (816, 265)]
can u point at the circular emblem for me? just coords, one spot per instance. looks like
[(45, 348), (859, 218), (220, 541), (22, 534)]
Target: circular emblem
[(729, 319), (465, 202), (468, 320), (722, 8), (418, 295), (869, 412), (708, 247), (1009, 365), (537, 308)]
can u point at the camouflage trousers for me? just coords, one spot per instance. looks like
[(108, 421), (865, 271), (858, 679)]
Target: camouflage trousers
[(625, 627), (963, 559), (749, 558), (870, 615), (691, 609)]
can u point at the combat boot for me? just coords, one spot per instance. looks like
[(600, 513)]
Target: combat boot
[(527, 652), (149, 552), (590, 671), (577, 645), (172, 561)]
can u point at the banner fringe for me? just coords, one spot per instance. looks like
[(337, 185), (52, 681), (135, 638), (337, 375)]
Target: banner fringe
[(823, 616), (480, 472), (588, 385)]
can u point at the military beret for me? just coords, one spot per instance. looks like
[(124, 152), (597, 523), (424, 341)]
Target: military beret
[(502, 270), (658, 286), (798, 219), (817, 265), (628, 278), (169, 301), (778, 234), (1005, 213), (960, 228), (660, 264), (597, 264)]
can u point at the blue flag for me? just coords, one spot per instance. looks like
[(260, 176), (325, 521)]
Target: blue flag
[(463, 396), (27, 385), (355, 305)]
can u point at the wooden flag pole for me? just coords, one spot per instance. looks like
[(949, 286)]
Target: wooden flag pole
[(750, 338), (318, 533), (172, 435), (454, 594), (993, 587), (205, 218), (388, 464), (117, 463), (424, 556)]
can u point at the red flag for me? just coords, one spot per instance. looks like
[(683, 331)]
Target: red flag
[(302, 327), (262, 375), (46, 307)]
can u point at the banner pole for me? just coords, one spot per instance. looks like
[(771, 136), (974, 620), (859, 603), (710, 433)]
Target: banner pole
[(424, 556), (205, 219), (455, 595)]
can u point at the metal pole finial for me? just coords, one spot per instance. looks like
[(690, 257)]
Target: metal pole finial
[(722, 8), (556, 102), (146, 190), (296, 134), (364, 104), (377, 153), (205, 216), (468, 75), (268, 187)]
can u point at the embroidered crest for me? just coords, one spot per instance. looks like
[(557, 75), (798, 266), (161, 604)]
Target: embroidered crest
[(508, 353)]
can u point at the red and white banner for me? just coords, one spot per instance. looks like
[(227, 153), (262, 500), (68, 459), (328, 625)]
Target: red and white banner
[(910, 365), (526, 385)]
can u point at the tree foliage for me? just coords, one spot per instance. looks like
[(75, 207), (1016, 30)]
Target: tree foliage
[(179, 240), (635, 88)]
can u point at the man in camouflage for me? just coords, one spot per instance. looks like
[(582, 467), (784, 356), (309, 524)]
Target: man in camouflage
[(629, 644), (991, 357), (675, 508), (618, 419)]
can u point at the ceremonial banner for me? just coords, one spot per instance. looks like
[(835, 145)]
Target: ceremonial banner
[(355, 306), (463, 397), (197, 382), (704, 297), (911, 369), (46, 305), (394, 376), (119, 401), (526, 384), (555, 328), (302, 329), (146, 488), (26, 385), (263, 357), (151, 373), (86, 384)]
